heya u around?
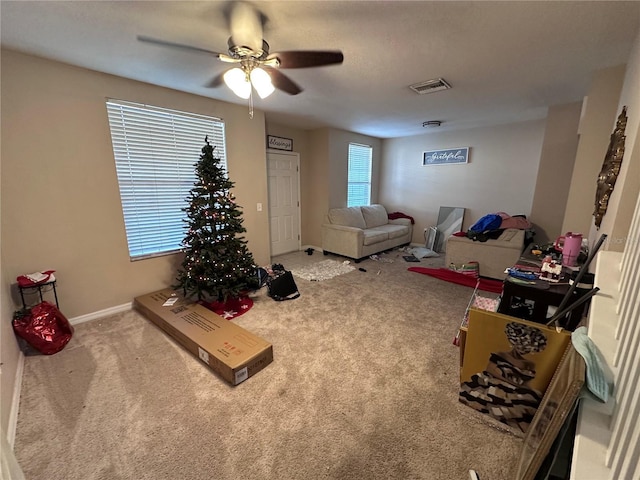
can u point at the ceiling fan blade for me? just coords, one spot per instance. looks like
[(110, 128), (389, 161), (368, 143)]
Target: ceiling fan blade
[(282, 82), (245, 24), (306, 59), (215, 81), (181, 46)]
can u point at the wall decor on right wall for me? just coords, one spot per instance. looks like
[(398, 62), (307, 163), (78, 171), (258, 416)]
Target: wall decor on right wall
[(610, 168), (446, 157)]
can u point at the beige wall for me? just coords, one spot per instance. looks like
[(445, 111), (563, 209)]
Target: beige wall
[(299, 136), (324, 161), (316, 188), (302, 146), (555, 171), (61, 204), (60, 198), (339, 141), (500, 176), (617, 220), (312, 146), (595, 129)]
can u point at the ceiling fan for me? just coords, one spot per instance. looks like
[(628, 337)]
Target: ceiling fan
[(256, 68)]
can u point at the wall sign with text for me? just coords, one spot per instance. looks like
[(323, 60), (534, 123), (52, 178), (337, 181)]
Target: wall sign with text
[(446, 157), (280, 143)]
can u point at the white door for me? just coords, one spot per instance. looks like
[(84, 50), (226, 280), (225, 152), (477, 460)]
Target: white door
[(284, 205)]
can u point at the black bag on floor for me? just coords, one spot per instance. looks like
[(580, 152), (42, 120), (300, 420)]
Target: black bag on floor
[(283, 287), (263, 277)]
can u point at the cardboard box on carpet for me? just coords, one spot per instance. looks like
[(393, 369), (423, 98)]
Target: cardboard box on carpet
[(226, 348)]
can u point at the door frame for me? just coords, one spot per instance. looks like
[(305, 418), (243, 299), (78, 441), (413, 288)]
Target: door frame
[(297, 158)]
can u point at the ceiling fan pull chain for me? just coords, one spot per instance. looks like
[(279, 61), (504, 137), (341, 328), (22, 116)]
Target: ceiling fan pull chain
[(251, 104)]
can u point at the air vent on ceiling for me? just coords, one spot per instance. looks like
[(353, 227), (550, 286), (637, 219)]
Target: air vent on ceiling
[(430, 86)]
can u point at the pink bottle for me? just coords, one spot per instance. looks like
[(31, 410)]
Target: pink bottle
[(570, 245)]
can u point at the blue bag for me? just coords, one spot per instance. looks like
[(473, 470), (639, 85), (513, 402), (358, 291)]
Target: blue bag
[(488, 222)]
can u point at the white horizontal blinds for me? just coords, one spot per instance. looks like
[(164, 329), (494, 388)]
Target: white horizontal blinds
[(623, 451), (359, 177), (155, 151)]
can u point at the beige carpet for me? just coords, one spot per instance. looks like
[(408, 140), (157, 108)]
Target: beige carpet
[(364, 385)]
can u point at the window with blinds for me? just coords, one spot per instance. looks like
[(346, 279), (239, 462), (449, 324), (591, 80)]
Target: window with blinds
[(359, 178), (155, 151)]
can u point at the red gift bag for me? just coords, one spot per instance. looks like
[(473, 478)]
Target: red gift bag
[(43, 327)]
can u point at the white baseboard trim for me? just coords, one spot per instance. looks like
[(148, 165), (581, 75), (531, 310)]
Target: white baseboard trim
[(15, 401), (101, 313)]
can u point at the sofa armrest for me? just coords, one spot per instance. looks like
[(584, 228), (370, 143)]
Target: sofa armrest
[(342, 240)]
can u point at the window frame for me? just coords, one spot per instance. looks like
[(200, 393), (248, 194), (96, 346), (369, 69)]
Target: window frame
[(155, 151), (356, 153)]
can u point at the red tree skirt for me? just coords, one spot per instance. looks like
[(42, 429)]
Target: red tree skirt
[(486, 284), (232, 308)]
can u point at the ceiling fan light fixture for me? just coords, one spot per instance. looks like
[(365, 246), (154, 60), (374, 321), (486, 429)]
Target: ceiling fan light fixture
[(259, 69), (238, 82), (262, 82)]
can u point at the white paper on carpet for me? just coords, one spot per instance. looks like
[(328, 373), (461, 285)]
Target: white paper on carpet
[(324, 270)]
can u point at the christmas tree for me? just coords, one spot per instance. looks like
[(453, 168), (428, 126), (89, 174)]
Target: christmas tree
[(217, 264)]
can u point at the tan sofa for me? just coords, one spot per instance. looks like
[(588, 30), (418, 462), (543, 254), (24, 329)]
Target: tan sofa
[(357, 232), (493, 256)]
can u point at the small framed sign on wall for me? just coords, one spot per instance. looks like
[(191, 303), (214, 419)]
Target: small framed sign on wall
[(280, 143), (446, 157)]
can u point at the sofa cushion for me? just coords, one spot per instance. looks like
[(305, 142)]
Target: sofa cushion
[(372, 236), (347, 217), (374, 215), (394, 231)]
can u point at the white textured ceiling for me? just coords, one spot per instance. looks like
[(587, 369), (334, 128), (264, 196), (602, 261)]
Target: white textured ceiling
[(506, 61)]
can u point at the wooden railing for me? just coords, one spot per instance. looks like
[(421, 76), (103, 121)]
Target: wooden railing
[(607, 443)]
